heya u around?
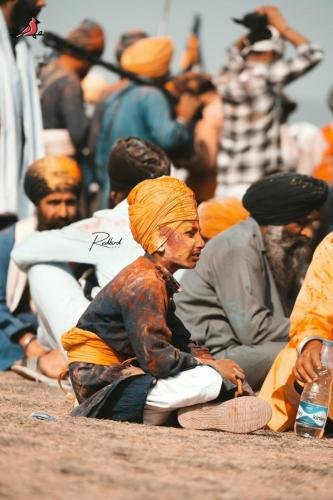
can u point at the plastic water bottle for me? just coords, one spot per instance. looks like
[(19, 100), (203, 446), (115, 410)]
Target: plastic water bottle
[(313, 408)]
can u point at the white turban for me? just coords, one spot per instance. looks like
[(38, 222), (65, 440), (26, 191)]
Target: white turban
[(275, 44)]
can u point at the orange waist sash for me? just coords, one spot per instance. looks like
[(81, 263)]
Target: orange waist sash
[(87, 347)]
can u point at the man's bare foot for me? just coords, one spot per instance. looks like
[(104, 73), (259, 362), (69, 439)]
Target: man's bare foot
[(52, 363)]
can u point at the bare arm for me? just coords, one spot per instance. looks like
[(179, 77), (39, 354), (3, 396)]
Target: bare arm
[(276, 19)]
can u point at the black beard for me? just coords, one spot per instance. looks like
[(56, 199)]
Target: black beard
[(288, 257), (48, 224), (23, 11)]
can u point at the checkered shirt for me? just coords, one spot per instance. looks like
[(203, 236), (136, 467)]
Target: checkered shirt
[(251, 93)]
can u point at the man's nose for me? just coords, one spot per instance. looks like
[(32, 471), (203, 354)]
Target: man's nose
[(307, 232), (200, 243), (62, 210)]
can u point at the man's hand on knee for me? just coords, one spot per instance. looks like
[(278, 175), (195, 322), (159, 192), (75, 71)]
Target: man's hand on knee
[(308, 364), (228, 369)]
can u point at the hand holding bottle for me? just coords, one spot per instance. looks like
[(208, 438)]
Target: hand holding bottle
[(308, 363)]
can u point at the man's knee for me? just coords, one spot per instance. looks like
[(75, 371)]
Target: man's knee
[(212, 382), (198, 385)]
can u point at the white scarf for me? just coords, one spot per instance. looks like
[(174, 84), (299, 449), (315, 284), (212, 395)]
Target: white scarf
[(17, 279), (19, 111)]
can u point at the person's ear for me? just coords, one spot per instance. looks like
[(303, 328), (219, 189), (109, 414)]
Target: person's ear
[(115, 198)]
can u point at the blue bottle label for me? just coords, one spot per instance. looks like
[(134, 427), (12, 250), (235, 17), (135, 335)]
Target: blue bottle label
[(311, 414)]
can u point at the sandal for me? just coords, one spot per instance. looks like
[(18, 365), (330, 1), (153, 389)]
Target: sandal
[(28, 368)]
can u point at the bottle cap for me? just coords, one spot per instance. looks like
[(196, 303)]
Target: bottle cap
[(329, 343)]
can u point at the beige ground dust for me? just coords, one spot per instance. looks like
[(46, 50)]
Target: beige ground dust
[(78, 458)]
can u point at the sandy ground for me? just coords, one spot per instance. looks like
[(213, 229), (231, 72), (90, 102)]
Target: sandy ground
[(78, 458)]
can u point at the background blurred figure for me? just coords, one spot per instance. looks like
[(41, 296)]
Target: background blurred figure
[(309, 143), (144, 111), (20, 117), (250, 85), (216, 216), (126, 40), (324, 166), (290, 153), (64, 119), (322, 144), (53, 185), (202, 166), (94, 87)]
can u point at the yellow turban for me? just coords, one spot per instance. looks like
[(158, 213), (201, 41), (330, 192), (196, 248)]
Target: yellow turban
[(149, 57), (217, 215), (156, 203), (51, 174)]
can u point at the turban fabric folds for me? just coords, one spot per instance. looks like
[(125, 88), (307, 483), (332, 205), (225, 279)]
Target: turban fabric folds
[(284, 198), (156, 203), (217, 215), (52, 174), (149, 57)]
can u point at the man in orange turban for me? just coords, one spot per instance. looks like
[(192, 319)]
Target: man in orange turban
[(217, 215), (149, 57), (144, 111), (129, 357), (154, 211)]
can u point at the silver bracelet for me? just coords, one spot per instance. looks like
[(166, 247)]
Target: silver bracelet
[(27, 342), (303, 343)]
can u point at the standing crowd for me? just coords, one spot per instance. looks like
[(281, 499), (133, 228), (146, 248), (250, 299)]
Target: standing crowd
[(165, 245)]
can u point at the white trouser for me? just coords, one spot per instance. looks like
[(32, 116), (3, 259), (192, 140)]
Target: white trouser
[(59, 301), (198, 385)]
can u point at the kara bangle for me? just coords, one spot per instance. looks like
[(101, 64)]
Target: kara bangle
[(303, 343)]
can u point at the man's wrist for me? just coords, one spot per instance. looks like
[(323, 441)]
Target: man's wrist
[(305, 341), (25, 340), (285, 30)]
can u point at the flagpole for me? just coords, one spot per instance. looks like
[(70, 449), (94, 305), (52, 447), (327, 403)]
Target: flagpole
[(163, 25)]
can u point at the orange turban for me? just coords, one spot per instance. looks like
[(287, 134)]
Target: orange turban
[(156, 203), (217, 215), (149, 57)]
